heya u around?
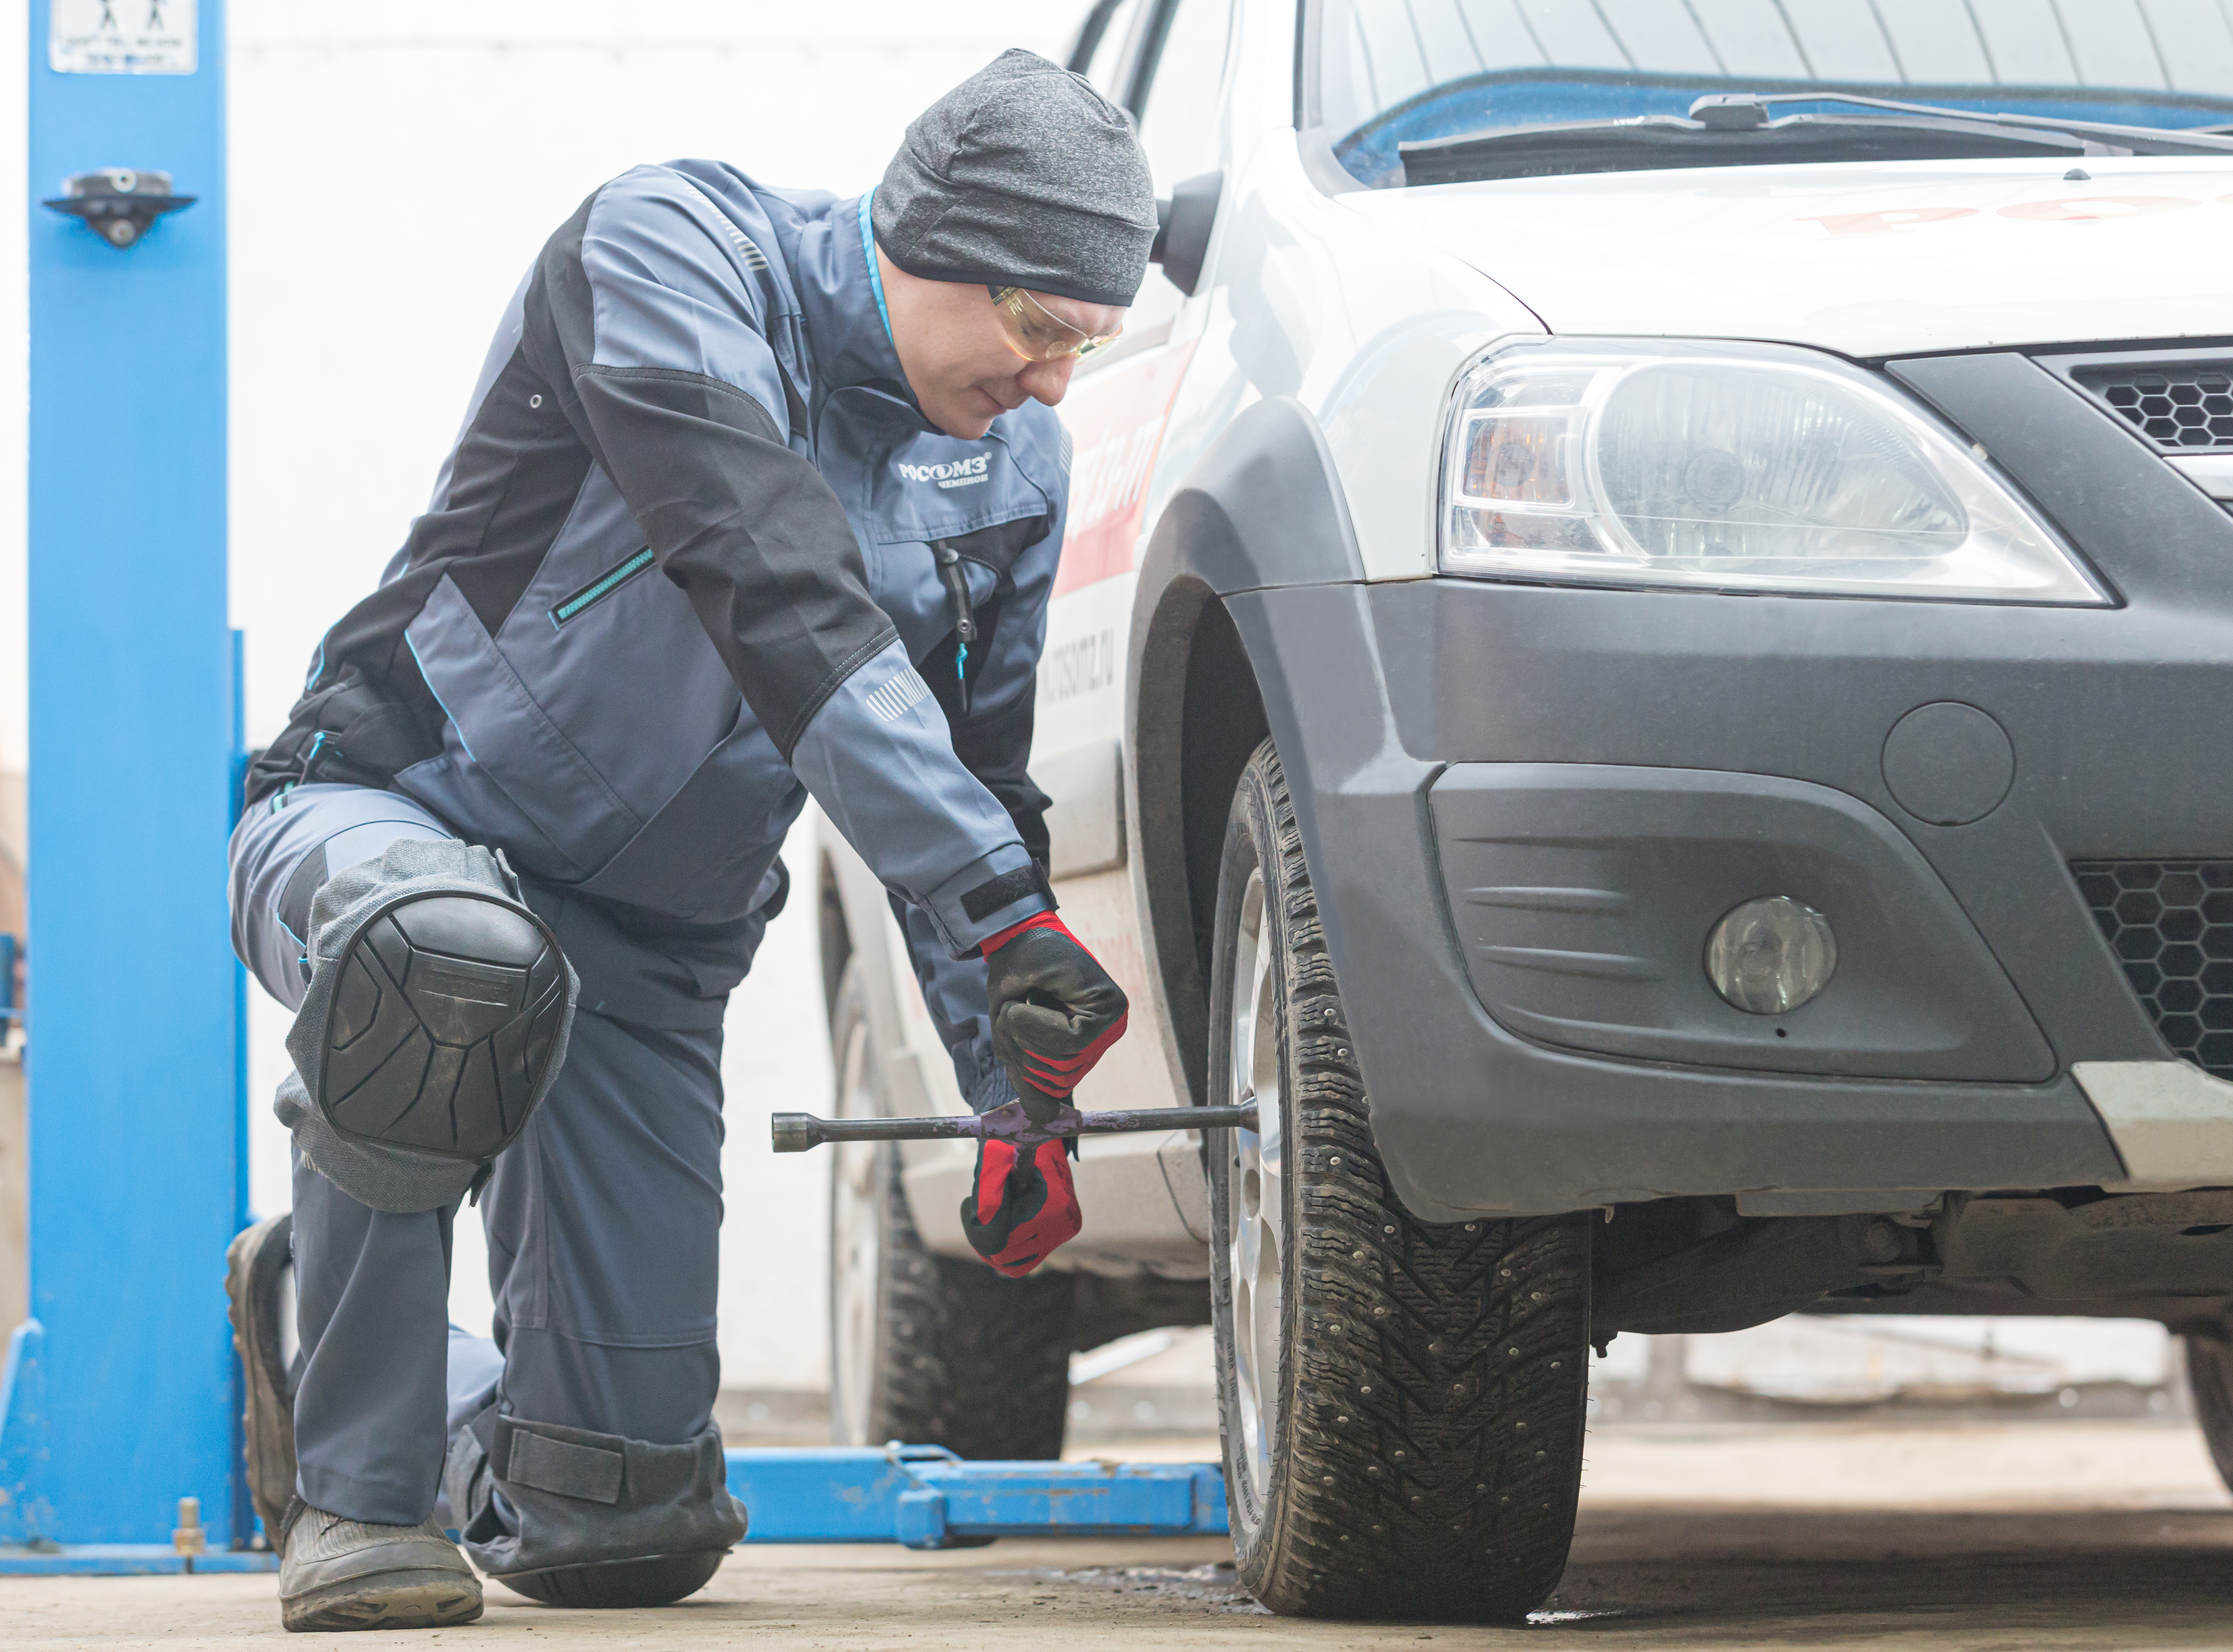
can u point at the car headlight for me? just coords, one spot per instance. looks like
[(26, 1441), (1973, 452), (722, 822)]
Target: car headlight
[(1729, 468)]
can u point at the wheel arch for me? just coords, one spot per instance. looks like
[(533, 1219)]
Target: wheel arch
[(1262, 508), (836, 934)]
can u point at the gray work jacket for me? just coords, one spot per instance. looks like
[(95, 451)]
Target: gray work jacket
[(681, 569)]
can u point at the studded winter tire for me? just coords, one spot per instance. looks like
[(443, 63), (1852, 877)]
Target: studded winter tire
[(1402, 1401), (928, 1350)]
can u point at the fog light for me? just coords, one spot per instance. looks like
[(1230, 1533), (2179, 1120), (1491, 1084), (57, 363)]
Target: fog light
[(1771, 955)]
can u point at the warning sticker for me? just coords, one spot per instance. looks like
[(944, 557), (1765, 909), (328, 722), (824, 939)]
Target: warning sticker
[(120, 37)]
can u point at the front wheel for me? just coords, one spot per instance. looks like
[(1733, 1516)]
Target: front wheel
[(1402, 1401)]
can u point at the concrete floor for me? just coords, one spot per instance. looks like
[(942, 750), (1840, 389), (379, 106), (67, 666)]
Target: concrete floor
[(1956, 1535)]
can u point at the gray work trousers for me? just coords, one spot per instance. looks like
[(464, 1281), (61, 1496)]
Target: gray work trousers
[(603, 1221)]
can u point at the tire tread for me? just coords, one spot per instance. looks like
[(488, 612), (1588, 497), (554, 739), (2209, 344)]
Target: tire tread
[(2209, 1379), (1425, 1470)]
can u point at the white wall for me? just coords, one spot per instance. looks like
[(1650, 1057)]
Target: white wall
[(394, 168)]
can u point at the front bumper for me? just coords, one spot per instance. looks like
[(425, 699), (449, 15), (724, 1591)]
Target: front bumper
[(1671, 753)]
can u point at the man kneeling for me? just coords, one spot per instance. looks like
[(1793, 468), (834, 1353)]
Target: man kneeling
[(519, 840)]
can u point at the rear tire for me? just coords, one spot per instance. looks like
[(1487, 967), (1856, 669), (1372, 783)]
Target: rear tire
[(2210, 1378), (928, 1350), (1402, 1401)]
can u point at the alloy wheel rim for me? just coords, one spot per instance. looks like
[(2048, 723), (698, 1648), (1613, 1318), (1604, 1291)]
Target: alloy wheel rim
[(857, 1252), (1255, 1185)]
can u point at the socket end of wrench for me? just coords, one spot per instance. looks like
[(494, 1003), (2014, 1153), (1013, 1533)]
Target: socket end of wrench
[(796, 1132)]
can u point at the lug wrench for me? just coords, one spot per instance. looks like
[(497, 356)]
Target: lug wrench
[(798, 1132)]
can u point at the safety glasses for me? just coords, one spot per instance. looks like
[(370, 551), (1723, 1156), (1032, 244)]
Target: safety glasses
[(1037, 334)]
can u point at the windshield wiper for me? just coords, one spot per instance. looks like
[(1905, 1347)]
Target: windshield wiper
[(1744, 111), (1735, 129)]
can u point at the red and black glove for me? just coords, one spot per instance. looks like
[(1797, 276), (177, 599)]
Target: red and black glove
[(1055, 1011), (1024, 1204)]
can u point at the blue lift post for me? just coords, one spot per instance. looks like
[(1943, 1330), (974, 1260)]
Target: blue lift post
[(120, 1392)]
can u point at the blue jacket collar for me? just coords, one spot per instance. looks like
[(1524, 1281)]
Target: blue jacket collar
[(838, 302)]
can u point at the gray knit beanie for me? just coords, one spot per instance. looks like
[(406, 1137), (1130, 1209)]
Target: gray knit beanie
[(1021, 176)]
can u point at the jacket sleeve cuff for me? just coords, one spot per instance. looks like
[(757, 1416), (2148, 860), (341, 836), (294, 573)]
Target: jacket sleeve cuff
[(992, 892), (992, 1087)]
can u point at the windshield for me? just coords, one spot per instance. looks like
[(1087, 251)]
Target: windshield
[(1384, 72)]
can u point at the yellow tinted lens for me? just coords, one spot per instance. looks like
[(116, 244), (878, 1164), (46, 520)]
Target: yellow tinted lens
[(1035, 332)]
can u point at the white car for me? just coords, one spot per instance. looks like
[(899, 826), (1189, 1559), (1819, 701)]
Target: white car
[(1642, 662)]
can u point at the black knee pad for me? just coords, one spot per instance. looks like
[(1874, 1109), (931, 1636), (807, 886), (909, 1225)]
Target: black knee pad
[(655, 1580), (436, 1019), (444, 1019)]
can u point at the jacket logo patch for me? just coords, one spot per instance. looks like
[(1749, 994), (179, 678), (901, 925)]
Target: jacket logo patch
[(959, 473), (893, 700)]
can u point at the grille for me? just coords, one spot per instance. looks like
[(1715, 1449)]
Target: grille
[(2171, 924), (2177, 405)]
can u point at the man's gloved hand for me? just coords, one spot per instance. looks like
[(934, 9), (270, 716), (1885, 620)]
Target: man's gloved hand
[(1023, 1206), (1055, 1011)]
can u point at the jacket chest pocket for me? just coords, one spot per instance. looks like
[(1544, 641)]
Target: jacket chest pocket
[(578, 602)]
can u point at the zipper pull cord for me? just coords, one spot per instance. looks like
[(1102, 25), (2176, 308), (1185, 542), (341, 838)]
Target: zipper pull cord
[(965, 620)]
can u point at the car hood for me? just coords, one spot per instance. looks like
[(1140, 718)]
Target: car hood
[(1865, 260)]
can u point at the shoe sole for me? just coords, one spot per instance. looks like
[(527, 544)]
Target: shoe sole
[(253, 1263), (388, 1600)]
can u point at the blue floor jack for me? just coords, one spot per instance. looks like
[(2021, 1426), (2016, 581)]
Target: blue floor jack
[(926, 1497)]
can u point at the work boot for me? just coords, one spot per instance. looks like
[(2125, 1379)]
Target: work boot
[(343, 1574), (258, 1275)]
